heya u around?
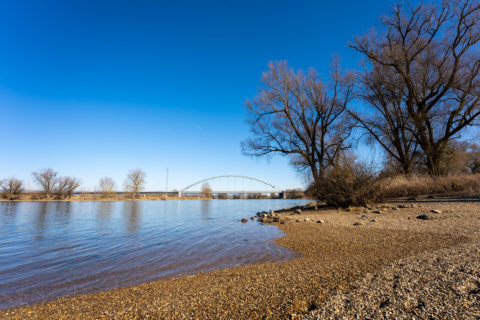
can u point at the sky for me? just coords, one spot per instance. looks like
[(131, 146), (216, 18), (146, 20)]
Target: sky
[(97, 88)]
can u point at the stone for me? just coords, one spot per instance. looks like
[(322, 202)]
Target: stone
[(435, 211), (307, 219), (297, 220), (377, 211), (298, 211), (357, 224), (276, 219), (424, 217), (395, 208), (244, 220), (373, 220), (402, 206), (320, 221)]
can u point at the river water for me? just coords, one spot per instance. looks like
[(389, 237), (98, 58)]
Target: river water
[(53, 249)]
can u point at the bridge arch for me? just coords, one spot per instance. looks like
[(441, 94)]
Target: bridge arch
[(227, 176)]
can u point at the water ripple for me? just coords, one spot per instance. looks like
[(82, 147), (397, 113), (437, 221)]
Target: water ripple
[(53, 249)]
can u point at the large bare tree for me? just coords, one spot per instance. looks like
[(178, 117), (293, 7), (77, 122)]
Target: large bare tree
[(434, 52), (65, 187), (11, 186), (384, 118), (297, 115), (135, 182), (47, 178), (107, 185), (206, 191)]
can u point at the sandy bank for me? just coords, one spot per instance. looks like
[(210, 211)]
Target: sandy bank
[(335, 254)]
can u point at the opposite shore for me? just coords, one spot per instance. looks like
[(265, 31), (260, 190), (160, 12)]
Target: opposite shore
[(339, 249), (88, 197)]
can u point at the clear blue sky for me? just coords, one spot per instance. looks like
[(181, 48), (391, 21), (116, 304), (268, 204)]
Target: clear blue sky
[(96, 88)]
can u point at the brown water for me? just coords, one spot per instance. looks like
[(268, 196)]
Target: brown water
[(54, 249)]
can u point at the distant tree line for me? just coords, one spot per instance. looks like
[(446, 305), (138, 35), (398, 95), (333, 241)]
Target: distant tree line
[(57, 187), (417, 93)]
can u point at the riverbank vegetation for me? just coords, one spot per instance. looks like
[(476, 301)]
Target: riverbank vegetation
[(416, 98)]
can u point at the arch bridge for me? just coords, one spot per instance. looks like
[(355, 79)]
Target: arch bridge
[(271, 189)]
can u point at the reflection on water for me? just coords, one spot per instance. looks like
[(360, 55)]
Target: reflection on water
[(53, 249), (9, 215), (205, 209), (104, 212), (40, 219), (132, 215), (62, 213)]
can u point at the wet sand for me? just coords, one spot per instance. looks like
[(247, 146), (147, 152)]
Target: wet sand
[(335, 254)]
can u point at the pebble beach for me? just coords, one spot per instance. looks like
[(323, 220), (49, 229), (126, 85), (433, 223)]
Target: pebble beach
[(374, 262)]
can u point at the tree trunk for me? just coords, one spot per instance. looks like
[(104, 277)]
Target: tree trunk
[(433, 162), (406, 167)]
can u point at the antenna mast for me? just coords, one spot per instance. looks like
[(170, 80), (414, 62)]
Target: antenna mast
[(166, 183)]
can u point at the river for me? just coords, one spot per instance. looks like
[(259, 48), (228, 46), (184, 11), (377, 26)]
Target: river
[(53, 249)]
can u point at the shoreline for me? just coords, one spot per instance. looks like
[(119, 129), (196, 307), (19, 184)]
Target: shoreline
[(334, 254), (138, 199)]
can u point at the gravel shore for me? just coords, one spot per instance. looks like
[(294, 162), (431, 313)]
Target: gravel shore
[(444, 284), (338, 257)]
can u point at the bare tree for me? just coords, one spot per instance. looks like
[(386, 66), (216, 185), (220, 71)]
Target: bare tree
[(11, 186), (385, 119), (434, 52), (107, 185), (65, 187), (47, 179), (135, 182), (295, 114), (206, 191)]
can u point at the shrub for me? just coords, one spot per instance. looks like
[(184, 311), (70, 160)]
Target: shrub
[(347, 184), (65, 187), (294, 194), (11, 188)]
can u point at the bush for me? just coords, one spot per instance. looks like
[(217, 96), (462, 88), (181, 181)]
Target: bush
[(294, 194), (347, 184), (11, 188)]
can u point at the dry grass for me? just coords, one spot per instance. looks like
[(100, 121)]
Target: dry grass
[(403, 186)]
